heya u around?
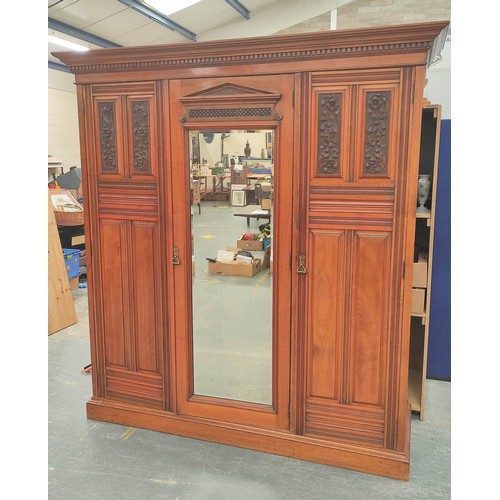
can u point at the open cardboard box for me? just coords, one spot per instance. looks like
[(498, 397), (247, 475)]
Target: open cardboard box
[(234, 267), (249, 244)]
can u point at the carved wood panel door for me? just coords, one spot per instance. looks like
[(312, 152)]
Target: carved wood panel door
[(235, 104), (127, 234), (354, 253)]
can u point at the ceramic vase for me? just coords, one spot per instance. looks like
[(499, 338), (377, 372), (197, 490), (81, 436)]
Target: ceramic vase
[(247, 150), (424, 184)]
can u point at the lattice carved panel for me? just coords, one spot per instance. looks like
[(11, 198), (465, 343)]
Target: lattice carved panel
[(230, 101), (231, 113)]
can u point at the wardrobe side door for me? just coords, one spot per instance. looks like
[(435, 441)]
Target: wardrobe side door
[(124, 190), (354, 257)]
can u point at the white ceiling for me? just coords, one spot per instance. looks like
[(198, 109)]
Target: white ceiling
[(208, 20)]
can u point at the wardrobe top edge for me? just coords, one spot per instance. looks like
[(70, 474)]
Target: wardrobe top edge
[(396, 38)]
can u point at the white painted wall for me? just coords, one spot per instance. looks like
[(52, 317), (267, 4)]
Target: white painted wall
[(438, 88), (276, 17), (63, 135), (233, 145)]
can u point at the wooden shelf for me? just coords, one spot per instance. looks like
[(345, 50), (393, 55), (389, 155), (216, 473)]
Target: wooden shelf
[(426, 216), (420, 315), (424, 238)]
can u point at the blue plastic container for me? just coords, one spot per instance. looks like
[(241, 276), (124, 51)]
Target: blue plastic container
[(72, 261)]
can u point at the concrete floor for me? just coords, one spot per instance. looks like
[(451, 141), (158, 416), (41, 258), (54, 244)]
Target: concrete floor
[(96, 460)]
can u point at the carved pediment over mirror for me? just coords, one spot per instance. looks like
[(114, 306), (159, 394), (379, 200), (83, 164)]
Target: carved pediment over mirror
[(231, 101)]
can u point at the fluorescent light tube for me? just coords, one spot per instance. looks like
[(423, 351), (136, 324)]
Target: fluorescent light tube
[(67, 43), (168, 6)]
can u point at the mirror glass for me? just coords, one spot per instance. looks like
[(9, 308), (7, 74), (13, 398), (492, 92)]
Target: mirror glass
[(232, 295)]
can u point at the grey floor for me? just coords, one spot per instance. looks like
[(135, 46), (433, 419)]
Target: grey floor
[(232, 314), (96, 460)]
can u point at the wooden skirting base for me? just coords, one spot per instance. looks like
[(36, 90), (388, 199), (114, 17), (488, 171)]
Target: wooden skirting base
[(379, 462)]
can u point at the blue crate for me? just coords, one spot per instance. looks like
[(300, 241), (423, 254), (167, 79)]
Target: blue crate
[(72, 261)]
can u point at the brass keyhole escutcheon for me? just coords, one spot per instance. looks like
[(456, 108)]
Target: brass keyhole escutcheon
[(302, 264), (175, 258)]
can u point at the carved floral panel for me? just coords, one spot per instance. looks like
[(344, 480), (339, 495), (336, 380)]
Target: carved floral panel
[(329, 116), (107, 137), (140, 137), (376, 133)]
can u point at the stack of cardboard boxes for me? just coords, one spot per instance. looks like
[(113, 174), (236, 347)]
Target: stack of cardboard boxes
[(419, 284)]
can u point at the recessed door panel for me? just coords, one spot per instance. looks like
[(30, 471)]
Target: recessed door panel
[(326, 306), (146, 293), (369, 312), (114, 298)]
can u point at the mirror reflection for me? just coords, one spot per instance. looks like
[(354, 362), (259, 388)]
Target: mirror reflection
[(232, 176)]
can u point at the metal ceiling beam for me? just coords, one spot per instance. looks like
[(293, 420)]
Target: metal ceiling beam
[(59, 67), (159, 18), (80, 34), (239, 7)]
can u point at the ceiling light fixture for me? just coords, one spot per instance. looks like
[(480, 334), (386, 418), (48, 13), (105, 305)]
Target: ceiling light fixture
[(67, 44), (168, 7)]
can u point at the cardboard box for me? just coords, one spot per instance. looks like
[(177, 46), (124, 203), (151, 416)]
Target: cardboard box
[(417, 300), (78, 240), (420, 271), (235, 268), (249, 245)]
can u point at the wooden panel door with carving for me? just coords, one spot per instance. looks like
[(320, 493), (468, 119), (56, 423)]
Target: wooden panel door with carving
[(127, 241), (354, 257)]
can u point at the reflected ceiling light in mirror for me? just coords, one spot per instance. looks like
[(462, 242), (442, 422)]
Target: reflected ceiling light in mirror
[(168, 7), (67, 44)]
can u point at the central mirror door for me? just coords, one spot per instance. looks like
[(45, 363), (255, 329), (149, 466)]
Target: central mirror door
[(232, 264), (231, 233)]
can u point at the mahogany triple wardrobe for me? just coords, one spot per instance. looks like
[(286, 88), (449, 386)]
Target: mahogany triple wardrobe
[(344, 110)]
